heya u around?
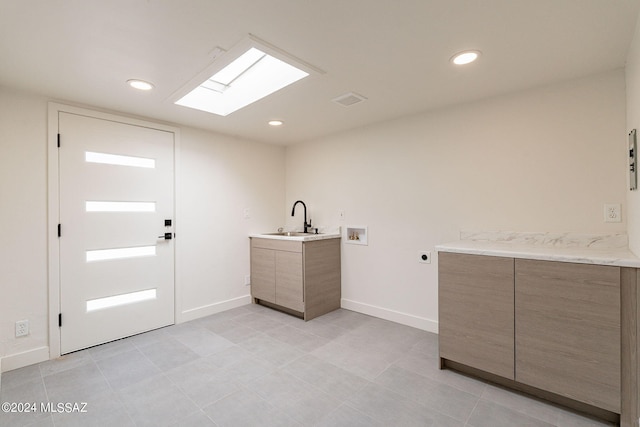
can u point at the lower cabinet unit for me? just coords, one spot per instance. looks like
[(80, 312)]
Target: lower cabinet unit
[(546, 327), (299, 277)]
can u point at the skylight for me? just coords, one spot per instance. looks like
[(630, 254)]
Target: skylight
[(254, 74)]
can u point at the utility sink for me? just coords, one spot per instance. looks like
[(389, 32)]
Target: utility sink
[(290, 234), (297, 236)]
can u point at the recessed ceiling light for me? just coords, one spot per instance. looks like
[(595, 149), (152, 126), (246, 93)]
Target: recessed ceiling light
[(276, 122), (247, 73), (140, 84), (465, 57)]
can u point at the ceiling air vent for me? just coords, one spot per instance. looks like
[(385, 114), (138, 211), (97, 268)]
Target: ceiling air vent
[(349, 99)]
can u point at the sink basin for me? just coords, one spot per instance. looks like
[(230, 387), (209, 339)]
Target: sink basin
[(290, 234)]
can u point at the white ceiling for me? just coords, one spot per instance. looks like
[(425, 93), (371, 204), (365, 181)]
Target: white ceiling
[(394, 52)]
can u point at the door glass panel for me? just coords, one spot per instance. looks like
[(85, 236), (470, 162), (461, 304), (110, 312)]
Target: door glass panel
[(120, 253), (120, 206), (115, 159), (116, 300)]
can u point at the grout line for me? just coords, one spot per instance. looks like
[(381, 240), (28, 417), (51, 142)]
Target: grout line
[(466, 422)]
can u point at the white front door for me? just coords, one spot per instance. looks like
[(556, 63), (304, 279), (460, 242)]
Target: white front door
[(116, 201)]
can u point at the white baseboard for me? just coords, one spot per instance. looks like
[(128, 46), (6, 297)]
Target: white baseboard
[(26, 358), (394, 316), (371, 310), (208, 310)]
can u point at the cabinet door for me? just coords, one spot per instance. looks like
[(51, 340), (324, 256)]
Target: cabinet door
[(568, 330), (289, 285), (263, 274), (475, 303)]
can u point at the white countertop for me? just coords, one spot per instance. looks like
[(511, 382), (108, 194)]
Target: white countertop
[(562, 247), (306, 238)]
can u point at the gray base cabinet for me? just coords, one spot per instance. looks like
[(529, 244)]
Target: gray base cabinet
[(553, 326), (295, 276)]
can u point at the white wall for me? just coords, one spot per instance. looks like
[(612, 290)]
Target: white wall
[(541, 160), (23, 219), (218, 176), (633, 122)]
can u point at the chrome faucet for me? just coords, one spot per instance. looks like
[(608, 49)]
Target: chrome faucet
[(293, 212)]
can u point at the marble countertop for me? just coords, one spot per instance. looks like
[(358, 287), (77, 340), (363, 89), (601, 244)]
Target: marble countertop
[(305, 238), (563, 247)]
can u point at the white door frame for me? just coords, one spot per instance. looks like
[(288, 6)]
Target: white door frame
[(53, 208)]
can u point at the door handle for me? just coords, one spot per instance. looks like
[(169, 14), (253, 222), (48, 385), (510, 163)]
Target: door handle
[(166, 236)]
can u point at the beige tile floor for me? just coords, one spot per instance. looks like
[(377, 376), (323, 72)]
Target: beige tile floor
[(253, 366)]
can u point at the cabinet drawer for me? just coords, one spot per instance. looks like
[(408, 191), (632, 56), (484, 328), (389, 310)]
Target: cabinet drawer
[(278, 245)]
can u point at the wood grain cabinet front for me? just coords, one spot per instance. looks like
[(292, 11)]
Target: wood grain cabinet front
[(543, 326), (299, 277), (475, 300), (568, 330), (263, 274), (289, 283)]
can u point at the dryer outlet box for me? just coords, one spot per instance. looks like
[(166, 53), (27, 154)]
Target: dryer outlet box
[(425, 257)]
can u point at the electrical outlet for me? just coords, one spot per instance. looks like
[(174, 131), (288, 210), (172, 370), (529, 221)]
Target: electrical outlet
[(22, 328), (246, 213), (247, 280), (612, 212), (425, 257)]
